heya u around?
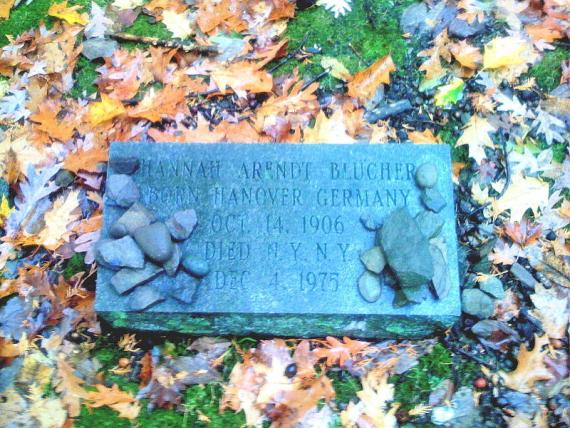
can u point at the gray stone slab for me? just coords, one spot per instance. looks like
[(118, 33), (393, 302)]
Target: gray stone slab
[(280, 228)]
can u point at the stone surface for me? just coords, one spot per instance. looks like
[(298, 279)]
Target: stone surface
[(370, 286), (195, 266), (374, 259), (98, 48), (119, 253), (413, 18), (406, 249), (429, 223), (124, 164), (426, 175), (172, 264), (493, 287), (477, 303), (154, 240), (127, 279), (136, 216), (144, 297), (523, 276), (462, 29), (181, 224), (280, 228), (121, 190), (433, 200)]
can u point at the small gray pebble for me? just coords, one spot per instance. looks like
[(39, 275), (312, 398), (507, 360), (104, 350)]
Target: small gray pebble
[(195, 266), (426, 175)]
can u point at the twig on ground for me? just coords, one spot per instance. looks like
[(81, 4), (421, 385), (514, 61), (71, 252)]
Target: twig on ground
[(314, 79), (154, 41)]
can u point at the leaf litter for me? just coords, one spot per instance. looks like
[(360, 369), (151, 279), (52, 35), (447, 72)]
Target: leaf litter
[(513, 208)]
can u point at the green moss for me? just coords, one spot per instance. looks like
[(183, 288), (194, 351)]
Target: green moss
[(144, 28), (74, 265), (23, 18), (85, 75), (414, 386), (345, 386), (357, 39), (204, 400), (449, 134), (548, 71)]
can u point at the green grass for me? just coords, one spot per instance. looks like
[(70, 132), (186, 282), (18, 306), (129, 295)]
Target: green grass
[(74, 265), (357, 39), (548, 71), (345, 386)]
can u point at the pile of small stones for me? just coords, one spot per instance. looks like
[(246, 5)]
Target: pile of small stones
[(409, 251), (141, 247)]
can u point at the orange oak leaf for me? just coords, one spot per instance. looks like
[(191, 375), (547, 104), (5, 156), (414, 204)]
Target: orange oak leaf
[(425, 137), (467, 55), (113, 397), (365, 83), (165, 102), (530, 367), (85, 160), (48, 122), (337, 352), (242, 76)]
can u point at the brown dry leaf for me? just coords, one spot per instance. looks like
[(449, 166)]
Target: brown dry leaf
[(552, 310), (113, 397), (337, 352), (48, 122), (364, 84), (69, 387), (425, 137), (530, 367), (523, 233), (85, 160), (294, 108), (467, 55), (12, 350), (65, 210)]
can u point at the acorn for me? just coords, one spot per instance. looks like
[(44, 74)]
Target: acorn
[(480, 383)]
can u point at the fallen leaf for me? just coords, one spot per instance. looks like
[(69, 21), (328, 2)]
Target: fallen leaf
[(467, 55), (68, 14), (107, 109), (523, 193), (530, 367), (57, 219), (335, 68), (364, 84), (450, 93), (242, 76), (328, 130), (425, 137), (339, 352), (178, 24), (476, 137), (113, 397), (497, 55), (5, 7), (166, 102), (551, 310), (523, 233), (85, 160)]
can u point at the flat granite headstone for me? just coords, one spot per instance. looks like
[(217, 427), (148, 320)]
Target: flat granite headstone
[(281, 237)]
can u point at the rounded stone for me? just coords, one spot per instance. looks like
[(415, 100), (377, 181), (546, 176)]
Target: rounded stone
[(155, 242), (426, 175), (122, 190), (118, 230), (369, 287), (196, 267)]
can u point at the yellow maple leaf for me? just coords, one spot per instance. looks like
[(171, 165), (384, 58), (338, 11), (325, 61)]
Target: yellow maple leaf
[(335, 68), (68, 14), (5, 209), (505, 51), (177, 23), (5, 7), (476, 137), (530, 367), (523, 193), (106, 109), (57, 220), (328, 130)]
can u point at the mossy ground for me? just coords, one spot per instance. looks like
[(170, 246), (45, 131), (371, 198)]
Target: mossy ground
[(548, 71), (357, 39)]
